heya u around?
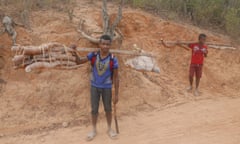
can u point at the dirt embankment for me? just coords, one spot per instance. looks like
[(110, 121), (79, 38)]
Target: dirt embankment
[(43, 99)]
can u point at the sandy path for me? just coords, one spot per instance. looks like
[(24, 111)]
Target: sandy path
[(197, 122)]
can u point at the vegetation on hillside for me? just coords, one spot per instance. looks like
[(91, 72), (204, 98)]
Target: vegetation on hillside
[(222, 14)]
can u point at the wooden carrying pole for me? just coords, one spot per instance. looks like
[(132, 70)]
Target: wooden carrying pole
[(56, 55), (210, 44), (115, 118), (115, 112), (117, 51)]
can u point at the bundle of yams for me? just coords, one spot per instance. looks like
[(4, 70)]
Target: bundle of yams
[(49, 55)]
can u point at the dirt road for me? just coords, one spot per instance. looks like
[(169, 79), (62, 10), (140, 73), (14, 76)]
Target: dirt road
[(197, 122)]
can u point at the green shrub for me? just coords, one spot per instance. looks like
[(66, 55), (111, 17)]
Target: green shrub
[(232, 19), (224, 14)]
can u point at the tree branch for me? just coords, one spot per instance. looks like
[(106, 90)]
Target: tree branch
[(81, 30), (107, 29), (105, 17), (118, 19)]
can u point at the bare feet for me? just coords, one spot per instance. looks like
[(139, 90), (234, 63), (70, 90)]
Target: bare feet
[(91, 135), (189, 89), (196, 92)]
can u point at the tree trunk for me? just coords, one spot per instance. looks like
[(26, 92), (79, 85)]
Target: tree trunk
[(107, 27)]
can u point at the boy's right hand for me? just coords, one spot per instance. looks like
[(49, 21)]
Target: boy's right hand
[(74, 48), (204, 50)]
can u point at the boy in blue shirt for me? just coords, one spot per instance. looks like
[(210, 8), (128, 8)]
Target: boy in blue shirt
[(104, 74)]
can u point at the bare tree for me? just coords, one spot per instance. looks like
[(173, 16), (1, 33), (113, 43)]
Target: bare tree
[(108, 28), (8, 26), (25, 13)]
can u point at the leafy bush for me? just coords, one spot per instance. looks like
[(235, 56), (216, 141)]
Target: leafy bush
[(232, 19), (224, 14)]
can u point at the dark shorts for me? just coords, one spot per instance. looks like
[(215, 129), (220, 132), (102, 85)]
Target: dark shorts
[(96, 94), (195, 69)]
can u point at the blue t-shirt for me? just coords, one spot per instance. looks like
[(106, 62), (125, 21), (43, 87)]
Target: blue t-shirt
[(101, 76)]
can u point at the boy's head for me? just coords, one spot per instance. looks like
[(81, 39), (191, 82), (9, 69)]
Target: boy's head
[(202, 38), (105, 43), (105, 37)]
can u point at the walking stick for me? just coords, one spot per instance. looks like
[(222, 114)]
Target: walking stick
[(115, 118)]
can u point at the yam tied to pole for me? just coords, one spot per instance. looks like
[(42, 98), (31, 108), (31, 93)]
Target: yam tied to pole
[(57, 55)]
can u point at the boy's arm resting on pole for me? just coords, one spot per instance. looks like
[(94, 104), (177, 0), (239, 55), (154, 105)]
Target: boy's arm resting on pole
[(176, 43), (116, 85), (185, 47), (79, 60)]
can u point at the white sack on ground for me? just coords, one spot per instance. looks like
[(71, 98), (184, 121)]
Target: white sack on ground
[(143, 63)]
